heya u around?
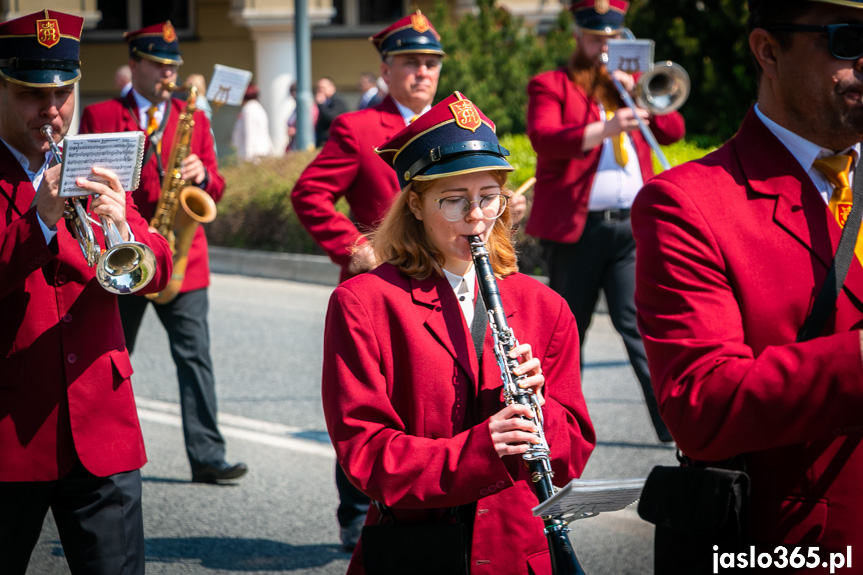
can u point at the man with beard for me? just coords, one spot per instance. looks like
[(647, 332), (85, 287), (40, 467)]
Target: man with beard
[(591, 162), (733, 250)]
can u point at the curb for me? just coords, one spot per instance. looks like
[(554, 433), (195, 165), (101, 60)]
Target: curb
[(280, 266), (294, 267)]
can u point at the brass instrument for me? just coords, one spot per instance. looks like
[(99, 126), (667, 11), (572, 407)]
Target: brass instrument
[(181, 208), (660, 90), (123, 267)]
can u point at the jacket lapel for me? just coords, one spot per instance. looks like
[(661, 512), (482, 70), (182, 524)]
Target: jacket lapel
[(445, 322), (800, 209), (390, 115), (14, 183)]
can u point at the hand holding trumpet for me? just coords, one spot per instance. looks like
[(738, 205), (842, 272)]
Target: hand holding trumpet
[(109, 201)]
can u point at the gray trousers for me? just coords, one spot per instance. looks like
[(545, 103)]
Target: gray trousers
[(185, 320)]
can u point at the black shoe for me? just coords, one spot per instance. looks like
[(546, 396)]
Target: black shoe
[(350, 535), (222, 471)]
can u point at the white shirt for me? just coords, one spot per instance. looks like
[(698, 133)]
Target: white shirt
[(407, 113), (464, 288), (615, 186), (806, 153), (143, 105)]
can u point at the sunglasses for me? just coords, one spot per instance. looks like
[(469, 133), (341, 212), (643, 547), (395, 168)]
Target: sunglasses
[(846, 40)]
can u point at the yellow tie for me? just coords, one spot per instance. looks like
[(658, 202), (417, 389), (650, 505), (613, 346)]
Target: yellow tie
[(620, 155), (153, 125), (835, 169), (413, 118)]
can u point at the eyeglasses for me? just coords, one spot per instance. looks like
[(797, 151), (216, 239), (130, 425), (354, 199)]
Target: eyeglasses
[(455, 208), (846, 40)]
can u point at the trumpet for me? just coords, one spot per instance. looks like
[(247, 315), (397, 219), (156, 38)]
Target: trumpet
[(123, 267), (660, 90)]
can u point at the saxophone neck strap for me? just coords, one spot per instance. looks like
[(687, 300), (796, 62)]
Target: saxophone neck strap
[(153, 138)]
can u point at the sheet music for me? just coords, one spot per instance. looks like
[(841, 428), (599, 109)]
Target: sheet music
[(630, 55), (228, 85), (583, 498), (121, 152)]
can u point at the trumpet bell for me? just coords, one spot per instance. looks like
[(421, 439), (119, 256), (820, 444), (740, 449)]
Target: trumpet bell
[(126, 268), (663, 89)]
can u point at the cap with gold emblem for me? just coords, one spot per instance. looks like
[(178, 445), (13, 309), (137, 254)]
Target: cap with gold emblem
[(157, 42), (604, 17), (452, 138), (41, 49), (412, 34)]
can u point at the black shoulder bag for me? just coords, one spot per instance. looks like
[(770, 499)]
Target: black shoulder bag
[(698, 504)]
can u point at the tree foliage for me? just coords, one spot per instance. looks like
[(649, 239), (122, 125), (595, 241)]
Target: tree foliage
[(491, 56), (708, 38)]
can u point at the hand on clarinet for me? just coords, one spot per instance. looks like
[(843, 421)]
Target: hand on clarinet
[(511, 428)]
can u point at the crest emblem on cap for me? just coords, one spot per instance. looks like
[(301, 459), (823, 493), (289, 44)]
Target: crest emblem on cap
[(168, 33), (47, 32), (419, 22), (466, 115), (601, 6)]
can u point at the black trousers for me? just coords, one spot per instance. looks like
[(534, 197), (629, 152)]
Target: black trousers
[(353, 503), (604, 258), (185, 320), (99, 520)]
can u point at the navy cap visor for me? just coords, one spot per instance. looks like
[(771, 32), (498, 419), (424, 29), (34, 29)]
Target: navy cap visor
[(41, 78), (464, 164)]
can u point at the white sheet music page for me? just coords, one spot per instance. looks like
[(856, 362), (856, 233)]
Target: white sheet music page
[(228, 85), (583, 498), (120, 152)]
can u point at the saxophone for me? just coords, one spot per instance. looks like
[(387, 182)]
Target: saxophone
[(537, 457), (181, 208)]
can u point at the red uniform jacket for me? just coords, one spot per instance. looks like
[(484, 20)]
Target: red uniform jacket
[(557, 113), (349, 167), (64, 369), (410, 428), (732, 251), (121, 115)]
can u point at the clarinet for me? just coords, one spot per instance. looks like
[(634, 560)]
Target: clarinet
[(563, 559)]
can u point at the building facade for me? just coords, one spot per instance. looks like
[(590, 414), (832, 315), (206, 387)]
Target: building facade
[(255, 35)]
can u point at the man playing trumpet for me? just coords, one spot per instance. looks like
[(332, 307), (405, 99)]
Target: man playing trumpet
[(591, 162), (69, 433)]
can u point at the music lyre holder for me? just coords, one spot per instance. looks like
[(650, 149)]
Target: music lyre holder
[(221, 96), (585, 498)]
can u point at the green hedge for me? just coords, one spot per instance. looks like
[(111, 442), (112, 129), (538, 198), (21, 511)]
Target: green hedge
[(256, 211)]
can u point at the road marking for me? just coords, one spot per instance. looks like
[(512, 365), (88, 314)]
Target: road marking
[(238, 427)]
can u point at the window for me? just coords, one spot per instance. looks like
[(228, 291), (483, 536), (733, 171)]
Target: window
[(124, 15), (362, 17)]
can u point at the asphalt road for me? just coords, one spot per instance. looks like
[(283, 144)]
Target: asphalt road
[(266, 343)]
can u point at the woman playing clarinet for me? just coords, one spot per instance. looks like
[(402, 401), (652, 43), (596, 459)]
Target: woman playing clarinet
[(412, 390)]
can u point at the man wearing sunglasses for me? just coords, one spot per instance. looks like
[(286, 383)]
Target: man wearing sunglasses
[(732, 252)]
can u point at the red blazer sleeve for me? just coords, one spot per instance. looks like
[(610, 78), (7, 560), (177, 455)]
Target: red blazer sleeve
[(322, 184), (718, 395), (203, 147), (568, 428), (557, 113)]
